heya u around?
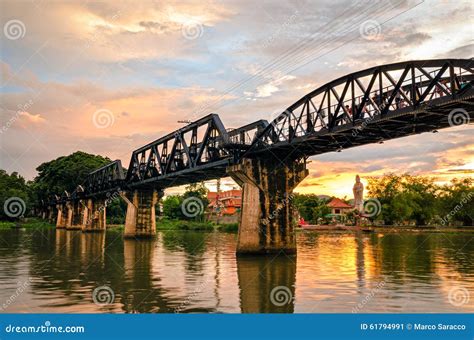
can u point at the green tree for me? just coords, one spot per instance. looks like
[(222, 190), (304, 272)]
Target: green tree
[(456, 201), (418, 198), (15, 189), (306, 204), (320, 211), (66, 172), (172, 207), (194, 201), (422, 195)]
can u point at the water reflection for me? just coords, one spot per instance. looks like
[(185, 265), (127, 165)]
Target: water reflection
[(198, 272), (267, 284)]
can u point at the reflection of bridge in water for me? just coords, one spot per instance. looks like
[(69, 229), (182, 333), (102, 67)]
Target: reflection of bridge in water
[(269, 159), (199, 272)]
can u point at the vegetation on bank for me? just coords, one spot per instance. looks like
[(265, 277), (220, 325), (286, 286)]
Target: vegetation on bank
[(404, 200), (418, 200), (30, 222), (175, 224)]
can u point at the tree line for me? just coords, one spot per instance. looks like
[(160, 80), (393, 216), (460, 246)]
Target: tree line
[(68, 172), (403, 198)]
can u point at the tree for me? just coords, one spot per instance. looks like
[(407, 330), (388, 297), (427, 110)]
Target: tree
[(418, 198), (456, 201), (172, 207), (13, 188), (307, 204), (422, 193), (194, 201), (190, 205), (320, 211), (66, 173)]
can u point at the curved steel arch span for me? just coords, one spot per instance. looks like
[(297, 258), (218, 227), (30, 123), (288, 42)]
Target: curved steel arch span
[(372, 105)]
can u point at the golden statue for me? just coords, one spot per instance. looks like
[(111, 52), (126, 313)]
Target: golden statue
[(358, 190)]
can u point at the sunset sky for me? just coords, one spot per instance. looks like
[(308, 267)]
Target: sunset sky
[(145, 65)]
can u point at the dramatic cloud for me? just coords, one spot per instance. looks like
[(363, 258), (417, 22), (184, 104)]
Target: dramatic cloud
[(107, 77)]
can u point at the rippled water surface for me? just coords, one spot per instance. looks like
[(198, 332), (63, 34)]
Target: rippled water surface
[(48, 270)]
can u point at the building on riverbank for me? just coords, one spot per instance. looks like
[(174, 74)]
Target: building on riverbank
[(225, 204)]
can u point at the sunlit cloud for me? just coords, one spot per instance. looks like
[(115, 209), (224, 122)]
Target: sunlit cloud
[(141, 66)]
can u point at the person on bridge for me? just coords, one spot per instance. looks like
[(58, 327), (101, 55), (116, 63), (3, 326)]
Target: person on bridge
[(349, 110)]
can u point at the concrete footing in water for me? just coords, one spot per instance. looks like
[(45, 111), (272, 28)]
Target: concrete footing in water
[(140, 220), (266, 221)]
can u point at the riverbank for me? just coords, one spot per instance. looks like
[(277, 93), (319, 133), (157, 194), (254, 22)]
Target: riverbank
[(167, 224), (384, 229), (27, 223), (183, 225)]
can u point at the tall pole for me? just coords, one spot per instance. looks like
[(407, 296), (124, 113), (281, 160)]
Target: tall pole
[(217, 199)]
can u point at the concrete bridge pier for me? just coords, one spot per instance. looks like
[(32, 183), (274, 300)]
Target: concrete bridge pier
[(266, 220), (94, 215), (64, 217), (140, 220), (51, 217), (76, 208)]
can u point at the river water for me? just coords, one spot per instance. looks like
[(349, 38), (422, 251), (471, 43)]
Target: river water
[(48, 270)]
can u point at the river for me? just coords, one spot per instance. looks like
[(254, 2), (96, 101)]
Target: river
[(57, 271)]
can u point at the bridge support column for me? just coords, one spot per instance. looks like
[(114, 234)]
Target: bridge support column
[(76, 215), (140, 220), (266, 221), (51, 218), (68, 215), (94, 215), (60, 216)]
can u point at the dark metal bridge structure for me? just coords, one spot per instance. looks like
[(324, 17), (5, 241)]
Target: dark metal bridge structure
[(370, 106)]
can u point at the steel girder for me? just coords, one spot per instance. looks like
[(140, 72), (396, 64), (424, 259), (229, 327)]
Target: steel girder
[(194, 150), (107, 178), (368, 106)]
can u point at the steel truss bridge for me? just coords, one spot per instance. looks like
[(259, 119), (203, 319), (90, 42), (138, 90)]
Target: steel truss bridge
[(369, 106)]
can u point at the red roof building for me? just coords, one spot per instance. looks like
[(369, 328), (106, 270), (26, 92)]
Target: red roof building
[(339, 207), (228, 202)]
